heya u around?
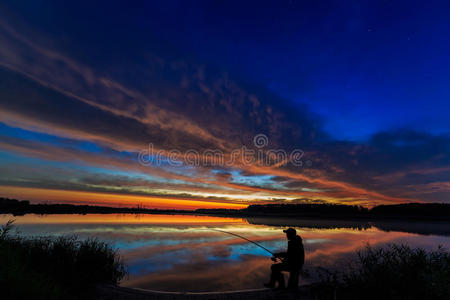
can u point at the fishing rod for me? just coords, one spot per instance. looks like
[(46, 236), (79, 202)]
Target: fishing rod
[(242, 237)]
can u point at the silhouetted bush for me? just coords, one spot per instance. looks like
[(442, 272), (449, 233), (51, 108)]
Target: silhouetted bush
[(55, 267), (391, 272)]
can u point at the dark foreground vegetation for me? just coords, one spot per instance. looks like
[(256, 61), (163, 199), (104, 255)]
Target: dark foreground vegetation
[(392, 272), (55, 267)]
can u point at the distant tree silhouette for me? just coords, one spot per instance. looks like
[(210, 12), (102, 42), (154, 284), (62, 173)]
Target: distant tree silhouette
[(436, 211)]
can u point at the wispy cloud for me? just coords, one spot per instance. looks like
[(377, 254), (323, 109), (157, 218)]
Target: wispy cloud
[(177, 103)]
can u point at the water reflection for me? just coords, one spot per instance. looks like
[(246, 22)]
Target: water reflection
[(183, 253)]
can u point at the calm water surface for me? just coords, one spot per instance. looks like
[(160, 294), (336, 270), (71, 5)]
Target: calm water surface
[(184, 253)]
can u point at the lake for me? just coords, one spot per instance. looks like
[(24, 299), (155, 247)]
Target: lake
[(186, 253)]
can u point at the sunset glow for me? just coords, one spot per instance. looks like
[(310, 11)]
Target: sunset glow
[(63, 196)]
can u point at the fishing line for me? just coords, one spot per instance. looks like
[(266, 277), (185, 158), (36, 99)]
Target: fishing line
[(242, 237)]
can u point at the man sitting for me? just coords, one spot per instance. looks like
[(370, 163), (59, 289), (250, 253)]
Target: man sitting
[(292, 261)]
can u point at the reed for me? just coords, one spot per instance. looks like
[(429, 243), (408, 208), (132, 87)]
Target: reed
[(390, 272), (55, 267)]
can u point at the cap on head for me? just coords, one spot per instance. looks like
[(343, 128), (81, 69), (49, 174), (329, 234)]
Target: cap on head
[(290, 231)]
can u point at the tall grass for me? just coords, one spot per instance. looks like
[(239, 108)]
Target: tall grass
[(55, 267), (391, 272)]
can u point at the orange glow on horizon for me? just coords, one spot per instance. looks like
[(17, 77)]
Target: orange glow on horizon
[(107, 199)]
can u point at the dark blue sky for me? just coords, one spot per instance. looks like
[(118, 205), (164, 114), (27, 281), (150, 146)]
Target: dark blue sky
[(365, 66)]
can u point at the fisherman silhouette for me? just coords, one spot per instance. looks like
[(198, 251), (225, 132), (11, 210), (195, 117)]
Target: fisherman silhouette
[(292, 262)]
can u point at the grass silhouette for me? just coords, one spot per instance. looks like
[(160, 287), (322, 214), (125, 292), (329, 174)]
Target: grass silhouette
[(55, 267), (390, 272)]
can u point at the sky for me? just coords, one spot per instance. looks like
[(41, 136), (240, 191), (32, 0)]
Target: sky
[(189, 104)]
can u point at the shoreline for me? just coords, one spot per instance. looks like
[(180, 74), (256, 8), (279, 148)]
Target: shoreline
[(106, 292), (435, 212)]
